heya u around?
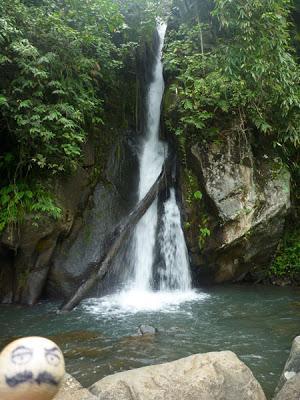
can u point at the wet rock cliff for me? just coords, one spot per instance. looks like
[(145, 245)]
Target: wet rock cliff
[(246, 198), (52, 258)]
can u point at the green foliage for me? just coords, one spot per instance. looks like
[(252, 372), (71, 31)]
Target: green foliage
[(204, 233), (62, 74), (54, 61), (198, 195), (140, 18), (232, 64), (193, 193), (287, 261), (193, 198), (246, 73), (18, 200), (295, 31)]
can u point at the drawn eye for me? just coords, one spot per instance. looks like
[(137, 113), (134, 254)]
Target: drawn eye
[(52, 356), (21, 355)]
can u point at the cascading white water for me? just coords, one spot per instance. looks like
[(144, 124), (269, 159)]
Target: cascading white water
[(174, 274), (151, 160)]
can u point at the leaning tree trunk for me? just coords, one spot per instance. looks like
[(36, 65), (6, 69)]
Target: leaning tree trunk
[(101, 267)]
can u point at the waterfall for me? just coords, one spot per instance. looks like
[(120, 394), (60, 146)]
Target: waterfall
[(151, 160), (173, 273), (176, 274), (157, 265)]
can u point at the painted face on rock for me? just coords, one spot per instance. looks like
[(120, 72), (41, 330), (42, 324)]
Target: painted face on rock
[(31, 369)]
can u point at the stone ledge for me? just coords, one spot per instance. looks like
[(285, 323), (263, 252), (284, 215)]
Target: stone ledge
[(210, 376), (71, 389)]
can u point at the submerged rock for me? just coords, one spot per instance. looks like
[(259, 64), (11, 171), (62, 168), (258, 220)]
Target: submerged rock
[(147, 330), (289, 381), (247, 197), (215, 376)]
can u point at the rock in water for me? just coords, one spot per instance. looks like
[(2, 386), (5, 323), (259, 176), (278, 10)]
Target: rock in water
[(146, 330), (289, 383), (290, 390), (31, 368), (211, 376)]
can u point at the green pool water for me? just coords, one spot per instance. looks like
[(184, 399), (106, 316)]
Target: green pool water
[(257, 323)]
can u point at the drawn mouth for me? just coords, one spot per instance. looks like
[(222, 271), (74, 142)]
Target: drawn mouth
[(27, 377)]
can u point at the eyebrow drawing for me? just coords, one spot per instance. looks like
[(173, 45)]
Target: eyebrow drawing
[(53, 356), (21, 355)]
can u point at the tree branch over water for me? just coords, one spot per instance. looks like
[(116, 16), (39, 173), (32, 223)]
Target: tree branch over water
[(122, 231)]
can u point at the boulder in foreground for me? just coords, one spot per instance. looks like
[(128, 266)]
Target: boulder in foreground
[(72, 390), (210, 376), (292, 366), (290, 390), (289, 384)]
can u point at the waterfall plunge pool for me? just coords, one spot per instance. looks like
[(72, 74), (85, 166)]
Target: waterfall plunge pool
[(257, 323)]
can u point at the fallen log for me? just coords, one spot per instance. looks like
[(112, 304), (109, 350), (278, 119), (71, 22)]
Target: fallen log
[(101, 267)]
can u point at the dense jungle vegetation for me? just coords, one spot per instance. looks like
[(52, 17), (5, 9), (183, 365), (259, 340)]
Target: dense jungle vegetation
[(62, 64), (235, 66), (68, 67)]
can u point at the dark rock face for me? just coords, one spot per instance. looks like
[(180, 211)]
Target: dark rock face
[(55, 254), (26, 250), (111, 201), (247, 194), (6, 275), (289, 382), (91, 232), (29, 249)]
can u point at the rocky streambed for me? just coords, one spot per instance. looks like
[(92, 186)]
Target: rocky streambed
[(210, 376), (257, 323)]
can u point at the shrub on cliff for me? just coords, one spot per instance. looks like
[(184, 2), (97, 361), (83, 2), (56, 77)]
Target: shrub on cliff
[(60, 71), (237, 64)]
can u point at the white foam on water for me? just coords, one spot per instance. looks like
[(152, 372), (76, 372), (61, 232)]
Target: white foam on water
[(134, 301)]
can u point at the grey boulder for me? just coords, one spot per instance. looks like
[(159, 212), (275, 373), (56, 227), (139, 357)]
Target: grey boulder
[(289, 383), (71, 389), (246, 192), (290, 390), (211, 376), (146, 330)]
